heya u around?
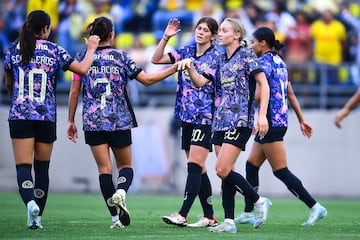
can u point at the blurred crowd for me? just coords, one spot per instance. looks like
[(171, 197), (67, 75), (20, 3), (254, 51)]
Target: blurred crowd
[(325, 33)]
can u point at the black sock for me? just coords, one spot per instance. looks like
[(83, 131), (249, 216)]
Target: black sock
[(228, 199), (295, 186), (252, 176), (125, 178), (205, 196), (192, 187), (41, 169), (242, 186), (107, 189), (25, 182)]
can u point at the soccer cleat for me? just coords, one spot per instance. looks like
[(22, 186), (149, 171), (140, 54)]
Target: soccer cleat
[(317, 212), (117, 224), (175, 219), (38, 222), (204, 222), (33, 212), (245, 218), (227, 226), (119, 199), (261, 209)]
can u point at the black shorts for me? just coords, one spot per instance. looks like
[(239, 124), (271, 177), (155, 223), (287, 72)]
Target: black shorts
[(42, 131), (121, 138), (274, 134), (237, 136), (195, 134)]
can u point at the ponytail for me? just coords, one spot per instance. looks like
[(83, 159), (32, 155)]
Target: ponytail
[(32, 26)]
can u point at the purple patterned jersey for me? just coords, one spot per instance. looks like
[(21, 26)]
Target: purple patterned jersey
[(237, 102), (35, 83), (106, 106), (196, 105), (277, 75)]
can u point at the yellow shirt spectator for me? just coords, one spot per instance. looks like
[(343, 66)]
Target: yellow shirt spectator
[(328, 41)]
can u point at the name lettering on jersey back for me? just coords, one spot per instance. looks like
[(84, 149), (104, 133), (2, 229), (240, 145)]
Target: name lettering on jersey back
[(104, 69)]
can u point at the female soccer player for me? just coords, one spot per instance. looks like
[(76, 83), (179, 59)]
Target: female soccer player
[(271, 147), (108, 115), (31, 66), (234, 118), (194, 107)]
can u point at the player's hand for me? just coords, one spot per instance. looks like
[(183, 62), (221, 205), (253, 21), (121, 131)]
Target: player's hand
[(306, 129), (92, 42), (263, 126), (71, 132), (184, 64), (339, 117), (172, 28)]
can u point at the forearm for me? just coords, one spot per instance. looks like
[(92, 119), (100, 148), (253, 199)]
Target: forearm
[(151, 78), (158, 55)]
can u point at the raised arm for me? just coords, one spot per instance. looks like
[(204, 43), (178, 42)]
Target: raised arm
[(159, 57), (82, 67), (151, 78)]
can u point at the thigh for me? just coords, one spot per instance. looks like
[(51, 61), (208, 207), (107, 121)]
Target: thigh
[(276, 154), (101, 154)]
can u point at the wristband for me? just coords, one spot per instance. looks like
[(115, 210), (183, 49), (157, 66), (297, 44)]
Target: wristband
[(165, 39)]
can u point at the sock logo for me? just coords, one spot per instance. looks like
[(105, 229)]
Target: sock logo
[(186, 196), (121, 179), (110, 202), (39, 193), (239, 189), (209, 200), (27, 184)]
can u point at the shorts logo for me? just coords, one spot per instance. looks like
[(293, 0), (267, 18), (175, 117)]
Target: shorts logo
[(121, 180), (39, 193), (27, 184), (232, 135), (197, 135)]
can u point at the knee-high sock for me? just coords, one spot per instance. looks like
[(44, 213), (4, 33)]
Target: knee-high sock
[(107, 189), (125, 178), (192, 187), (25, 182), (228, 199), (252, 176), (295, 186), (242, 186), (41, 169), (205, 196)]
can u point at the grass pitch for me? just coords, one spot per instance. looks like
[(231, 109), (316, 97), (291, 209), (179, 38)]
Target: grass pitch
[(84, 216)]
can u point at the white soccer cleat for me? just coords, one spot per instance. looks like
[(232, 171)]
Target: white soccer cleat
[(204, 222), (119, 198), (117, 224), (261, 208), (227, 226), (317, 212), (175, 219), (33, 212), (245, 218)]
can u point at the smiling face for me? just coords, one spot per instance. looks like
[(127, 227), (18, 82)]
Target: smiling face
[(203, 34), (227, 34)]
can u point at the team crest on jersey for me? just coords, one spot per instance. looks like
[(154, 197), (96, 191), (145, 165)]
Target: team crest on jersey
[(27, 184), (204, 66)]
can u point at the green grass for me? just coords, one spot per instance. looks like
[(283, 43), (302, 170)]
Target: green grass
[(84, 216)]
